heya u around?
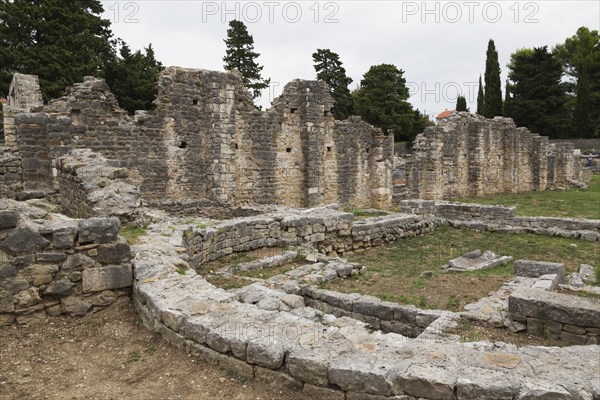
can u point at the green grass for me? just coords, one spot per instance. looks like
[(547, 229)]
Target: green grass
[(570, 203), (394, 269), (132, 232), (362, 214)]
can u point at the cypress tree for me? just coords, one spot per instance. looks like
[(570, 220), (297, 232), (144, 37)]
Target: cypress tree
[(480, 98), (461, 104), (493, 94)]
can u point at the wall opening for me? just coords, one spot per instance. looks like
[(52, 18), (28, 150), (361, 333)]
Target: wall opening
[(182, 145), (195, 102), (288, 150), (329, 149), (293, 110)]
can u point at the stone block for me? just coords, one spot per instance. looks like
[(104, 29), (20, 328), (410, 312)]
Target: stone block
[(552, 306), (24, 240), (109, 277), (431, 382), (360, 375), (535, 269), (98, 230), (308, 366), (266, 353), (277, 379), (74, 306), (64, 238), (59, 288), (114, 253), (318, 392), (8, 219)]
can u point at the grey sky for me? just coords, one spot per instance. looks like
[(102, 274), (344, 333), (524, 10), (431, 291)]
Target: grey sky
[(439, 44)]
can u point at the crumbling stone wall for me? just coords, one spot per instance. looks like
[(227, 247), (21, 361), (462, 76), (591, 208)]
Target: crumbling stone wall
[(51, 265), (90, 185), (207, 140), (468, 155), (330, 231)]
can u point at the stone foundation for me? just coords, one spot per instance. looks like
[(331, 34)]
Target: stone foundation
[(51, 265)]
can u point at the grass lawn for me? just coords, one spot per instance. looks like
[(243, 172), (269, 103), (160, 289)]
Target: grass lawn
[(570, 203), (394, 270)]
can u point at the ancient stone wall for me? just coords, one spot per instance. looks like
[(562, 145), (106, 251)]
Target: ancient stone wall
[(328, 230), (91, 186), (51, 265), (207, 140), (468, 155)]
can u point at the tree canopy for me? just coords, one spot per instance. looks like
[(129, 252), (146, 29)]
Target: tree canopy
[(132, 78), (59, 41), (330, 70), (537, 95), (580, 57), (240, 55), (382, 98), (461, 104)]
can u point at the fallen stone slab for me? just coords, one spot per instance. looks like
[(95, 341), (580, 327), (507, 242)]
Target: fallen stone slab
[(475, 260)]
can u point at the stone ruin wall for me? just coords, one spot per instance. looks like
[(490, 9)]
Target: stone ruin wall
[(206, 140), (468, 155)]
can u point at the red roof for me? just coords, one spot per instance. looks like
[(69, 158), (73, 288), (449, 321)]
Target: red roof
[(445, 114)]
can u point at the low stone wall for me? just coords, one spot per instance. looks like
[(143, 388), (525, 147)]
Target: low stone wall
[(327, 229), (339, 358), (570, 318), (502, 219), (51, 265), (403, 319)]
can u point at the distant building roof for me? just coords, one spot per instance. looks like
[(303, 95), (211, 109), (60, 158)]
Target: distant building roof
[(444, 114)]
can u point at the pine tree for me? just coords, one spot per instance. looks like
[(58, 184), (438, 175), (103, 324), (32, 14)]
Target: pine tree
[(60, 41), (330, 70), (382, 98), (538, 97), (582, 116), (492, 105), (480, 98), (240, 55), (579, 55), (132, 78), (461, 104)]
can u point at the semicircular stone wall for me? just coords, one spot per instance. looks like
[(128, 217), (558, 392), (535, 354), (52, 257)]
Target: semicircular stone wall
[(325, 356)]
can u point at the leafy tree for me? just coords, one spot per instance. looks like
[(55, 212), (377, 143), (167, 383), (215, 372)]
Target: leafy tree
[(580, 56), (60, 41), (492, 105), (330, 70), (461, 104), (382, 98), (538, 97), (240, 55), (480, 98), (132, 78)]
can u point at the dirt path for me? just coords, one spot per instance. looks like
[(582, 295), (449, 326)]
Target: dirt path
[(110, 355)]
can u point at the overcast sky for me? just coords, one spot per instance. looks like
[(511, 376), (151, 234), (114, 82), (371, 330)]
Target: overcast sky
[(440, 45)]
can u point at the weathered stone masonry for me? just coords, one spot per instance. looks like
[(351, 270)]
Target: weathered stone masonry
[(468, 155), (207, 140)]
